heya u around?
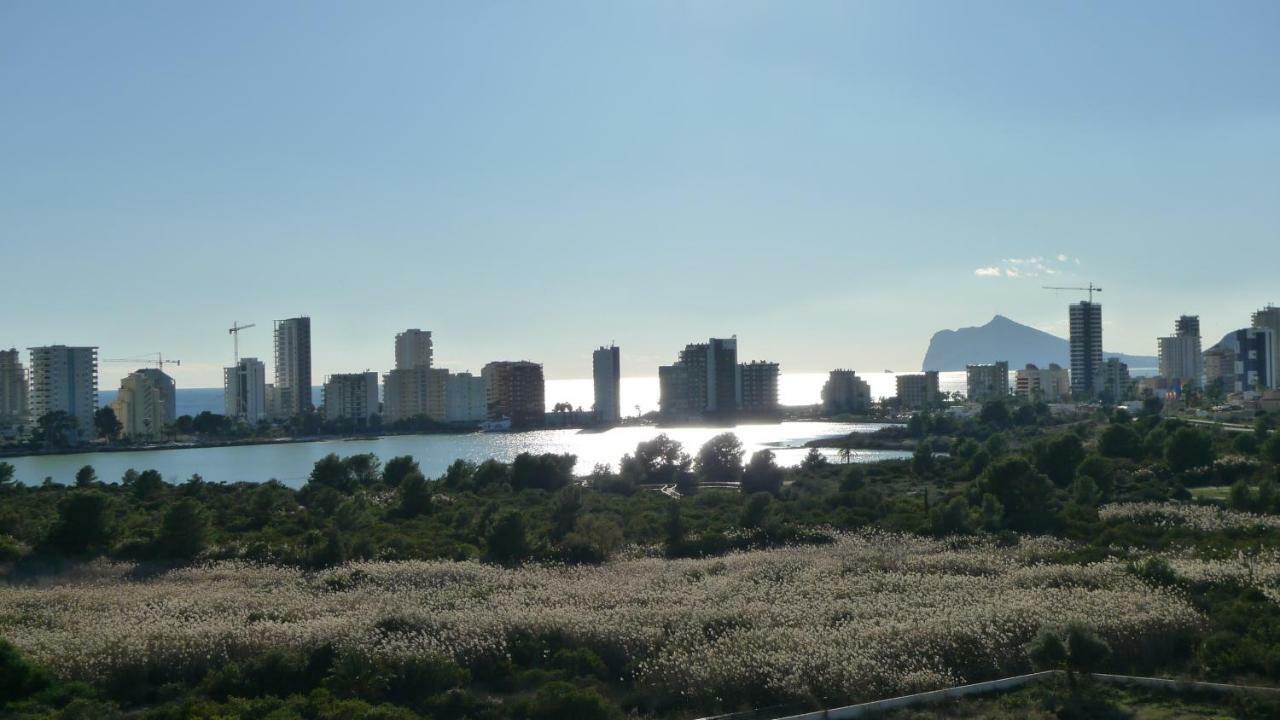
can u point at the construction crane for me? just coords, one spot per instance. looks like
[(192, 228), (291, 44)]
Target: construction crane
[(236, 327), (156, 359), (1091, 289)]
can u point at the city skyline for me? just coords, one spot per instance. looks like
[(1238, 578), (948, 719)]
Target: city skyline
[(883, 171)]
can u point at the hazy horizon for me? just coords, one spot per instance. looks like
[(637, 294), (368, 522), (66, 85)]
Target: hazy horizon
[(831, 182)]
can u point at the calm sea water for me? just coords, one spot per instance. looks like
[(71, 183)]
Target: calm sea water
[(291, 462)]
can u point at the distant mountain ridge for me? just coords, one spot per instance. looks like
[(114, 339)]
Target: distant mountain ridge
[(1004, 339)]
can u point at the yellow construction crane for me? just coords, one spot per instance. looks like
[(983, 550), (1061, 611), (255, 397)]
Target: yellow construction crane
[(235, 329), (1091, 289)]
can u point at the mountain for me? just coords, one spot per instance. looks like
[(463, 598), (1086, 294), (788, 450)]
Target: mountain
[(1004, 339)]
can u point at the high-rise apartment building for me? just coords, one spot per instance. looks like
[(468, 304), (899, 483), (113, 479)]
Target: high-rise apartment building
[(704, 380), (918, 390), (145, 403), (465, 398), (1255, 364), (244, 390), (1116, 384), (1051, 384), (985, 382), (516, 391), (13, 389), (351, 396), (1181, 359), (1268, 318), (606, 372), (1086, 349), (293, 366), (415, 392), (65, 379), (414, 349), (758, 388), (845, 392)]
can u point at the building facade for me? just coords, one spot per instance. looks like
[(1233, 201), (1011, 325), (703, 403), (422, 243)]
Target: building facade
[(1220, 368), (704, 381), (351, 396), (13, 389), (146, 403), (918, 390), (293, 366), (414, 392), (988, 381), (1181, 358), (1116, 383), (64, 379), (758, 388), (465, 398), (414, 349), (1086, 349), (1268, 318), (1051, 384), (845, 392), (606, 373), (244, 390), (515, 390), (1255, 365)]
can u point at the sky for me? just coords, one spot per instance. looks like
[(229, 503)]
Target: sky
[(832, 182)]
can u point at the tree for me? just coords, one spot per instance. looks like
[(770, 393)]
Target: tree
[(56, 430), (560, 700), (594, 538), (183, 530), (364, 468), (1046, 651), (720, 459), (415, 495), (148, 484), (662, 460), (548, 471), (506, 540), (6, 475), (996, 412), (762, 474), (330, 471), (950, 518), (398, 468), (1025, 494), (922, 460), (1188, 448), (673, 529), (813, 461), (1119, 441), (565, 512), (756, 510), (1271, 448), (86, 476), (1058, 457), (106, 423), (83, 524)]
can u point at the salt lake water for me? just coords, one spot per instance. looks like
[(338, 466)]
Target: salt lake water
[(291, 462)]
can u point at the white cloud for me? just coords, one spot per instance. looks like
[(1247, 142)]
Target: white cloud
[(987, 272), (1062, 257), (1026, 267)]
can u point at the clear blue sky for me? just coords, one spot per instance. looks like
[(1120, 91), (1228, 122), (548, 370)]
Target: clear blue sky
[(830, 181)]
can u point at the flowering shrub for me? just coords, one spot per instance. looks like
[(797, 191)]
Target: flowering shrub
[(869, 615), (1206, 518)]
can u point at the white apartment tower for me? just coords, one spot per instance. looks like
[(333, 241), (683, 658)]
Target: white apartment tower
[(606, 370), (145, 403), (413, 349), (245, 390), (351, 396), (13, 388), (1180, 356), (65, 379), (293, 365), (466, 398), (1086, 349)]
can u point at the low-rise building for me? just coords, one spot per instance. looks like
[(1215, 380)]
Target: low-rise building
[(845, 392), (989, 381), (1050, 385)]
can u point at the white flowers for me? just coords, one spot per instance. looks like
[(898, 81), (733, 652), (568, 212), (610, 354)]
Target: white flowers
[(868, 616), (1206, 518)]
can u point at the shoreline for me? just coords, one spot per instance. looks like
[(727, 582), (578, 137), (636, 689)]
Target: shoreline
[(249, 442)]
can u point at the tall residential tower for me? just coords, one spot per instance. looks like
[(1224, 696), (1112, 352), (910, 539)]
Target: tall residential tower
[(65, 379), (293, 366), (1086, 349), (606, 370)]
